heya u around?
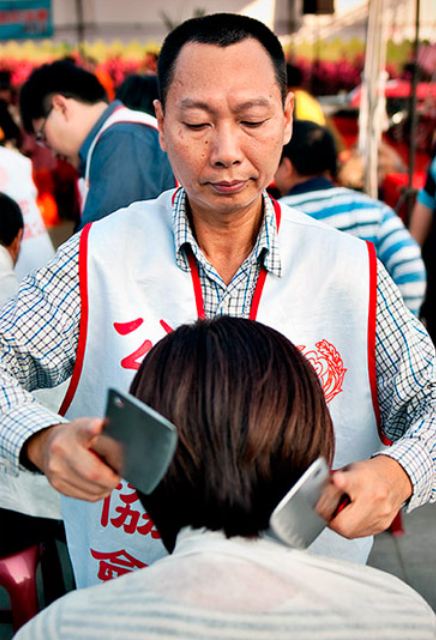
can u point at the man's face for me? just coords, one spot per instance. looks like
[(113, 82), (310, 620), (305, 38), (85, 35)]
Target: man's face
[(57, 130), (224, 125)]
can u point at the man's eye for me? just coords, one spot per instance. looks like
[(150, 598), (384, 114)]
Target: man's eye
[(195, 127), (252, 124)]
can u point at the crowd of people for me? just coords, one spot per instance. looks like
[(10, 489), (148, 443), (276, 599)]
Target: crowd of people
[(268, 336)]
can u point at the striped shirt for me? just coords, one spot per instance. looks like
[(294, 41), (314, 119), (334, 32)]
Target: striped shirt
[(212, 588), (368, 219), (39, 335)]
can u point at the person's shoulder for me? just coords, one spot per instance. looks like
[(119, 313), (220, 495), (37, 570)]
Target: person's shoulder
[(138, 214), (312, 230), (123, 130), (293, 216)]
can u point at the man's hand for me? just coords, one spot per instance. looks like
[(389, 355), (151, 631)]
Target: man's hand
[(64, 454), (377, 489)]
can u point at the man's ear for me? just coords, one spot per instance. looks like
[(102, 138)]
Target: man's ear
[(289, 117), (286, 167), (61, 104), (160, 117)]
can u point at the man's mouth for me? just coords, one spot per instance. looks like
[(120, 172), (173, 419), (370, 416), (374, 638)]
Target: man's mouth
[(228, 186)]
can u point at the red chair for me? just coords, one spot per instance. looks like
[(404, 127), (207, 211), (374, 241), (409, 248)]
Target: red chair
[(18, 577)]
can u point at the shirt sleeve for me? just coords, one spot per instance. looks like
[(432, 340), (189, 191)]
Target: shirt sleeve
[(127, 166), (39, 331), (401, 255), (406, 387)]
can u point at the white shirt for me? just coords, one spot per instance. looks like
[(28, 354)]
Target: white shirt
[(239, 589)]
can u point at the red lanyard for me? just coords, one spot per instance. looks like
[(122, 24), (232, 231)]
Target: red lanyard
[(199, 301)]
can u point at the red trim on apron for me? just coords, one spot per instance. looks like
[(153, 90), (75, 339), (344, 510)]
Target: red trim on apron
[(260, 279), (372, 316), (197, 286), (83, 326), (173, 197)]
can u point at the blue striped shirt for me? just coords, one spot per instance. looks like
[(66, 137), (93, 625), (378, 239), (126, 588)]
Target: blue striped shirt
[(368, 219)]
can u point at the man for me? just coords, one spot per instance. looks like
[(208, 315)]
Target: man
[(116, 150), (217, 246), (305, 180)]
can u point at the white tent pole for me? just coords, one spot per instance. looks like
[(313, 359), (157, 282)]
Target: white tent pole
[(372, 115)]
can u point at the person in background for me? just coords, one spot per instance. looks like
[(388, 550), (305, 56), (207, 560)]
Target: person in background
[(25, 495), (306, 106), (423, 229), (139, 92), (218, 245), (116, 150), (305, 179), (11, 236), (243, 443), (17, 182)]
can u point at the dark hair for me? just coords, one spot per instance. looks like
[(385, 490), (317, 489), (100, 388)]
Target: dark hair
[(138, 92), (5, 80), (221, 29), (312, 149), (295, 75), (250, 416), (11, 220), (61, 77)]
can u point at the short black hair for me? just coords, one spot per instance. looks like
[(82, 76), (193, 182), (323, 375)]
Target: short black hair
[(11, 220), (61, 77), (312, 149), (139, 92), (221, 29), (250, 415)]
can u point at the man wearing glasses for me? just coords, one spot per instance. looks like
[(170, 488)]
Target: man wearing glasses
[(116, 150)]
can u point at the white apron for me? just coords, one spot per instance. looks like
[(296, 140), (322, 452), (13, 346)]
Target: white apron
[(121, 114), (133, 293)]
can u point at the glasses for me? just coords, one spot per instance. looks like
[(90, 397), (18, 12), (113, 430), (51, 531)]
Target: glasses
[(40, 134)]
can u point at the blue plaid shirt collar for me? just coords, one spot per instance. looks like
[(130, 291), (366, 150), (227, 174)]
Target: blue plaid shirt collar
[(265, 251)]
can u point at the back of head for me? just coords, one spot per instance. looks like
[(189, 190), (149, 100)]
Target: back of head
[(11, 220), (250, 415), (139, 92), (222, 30), (60, 77), (311, 150)]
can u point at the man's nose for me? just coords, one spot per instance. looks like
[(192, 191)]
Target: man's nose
[(226, 146)]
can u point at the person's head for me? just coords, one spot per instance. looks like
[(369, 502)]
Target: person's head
[(250, 415), (311, 152), (60, 102), (224, 113), (139, 92), (11, 226)]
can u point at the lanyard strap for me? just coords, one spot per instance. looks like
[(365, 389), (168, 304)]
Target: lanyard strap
[(255, 301)]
